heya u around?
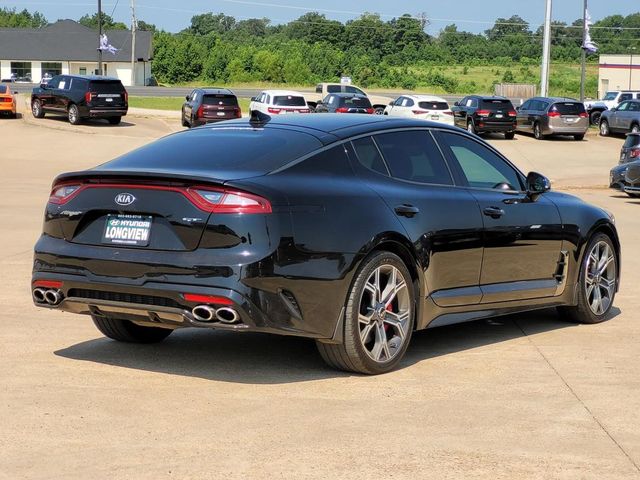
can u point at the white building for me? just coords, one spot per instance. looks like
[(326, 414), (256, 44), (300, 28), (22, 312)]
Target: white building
[(66, 47), (619, 72)]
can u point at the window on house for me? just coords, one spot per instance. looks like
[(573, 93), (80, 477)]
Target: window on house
[(21, 70), (52, 68)]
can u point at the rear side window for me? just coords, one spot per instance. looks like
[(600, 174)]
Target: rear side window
[(413, 155), (434, 105), (632, 141), (3, 89), (496, 104), (333, 88), (289, 101), (79, 84), (107, 86), (356, 102), (226, 100), (369, 155), (350, 89), (568, 108)]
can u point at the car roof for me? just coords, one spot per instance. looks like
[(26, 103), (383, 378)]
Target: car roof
[(330, 127), (556, 99), (283, 92), (92, 77), (347, 95), (488, 97), (427, 98), (216, 91)]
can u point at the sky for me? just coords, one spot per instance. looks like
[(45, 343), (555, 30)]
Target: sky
[(470, 15)]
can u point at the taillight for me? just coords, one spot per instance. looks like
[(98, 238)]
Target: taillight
[(370, 111), (342, 110), (88, 96), (483, 113), (635, 153), (238, 112), (448, 112), (584, 115), (275, 111), (200, 112), (125, 95), (6, 99), (553, 114), (513, 113), (61, 194), (194, 297), (226, 201)]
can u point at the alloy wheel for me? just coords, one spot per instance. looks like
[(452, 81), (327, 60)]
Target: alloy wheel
[(604, 128), (635, 129), (600, 277), (35, 108), (384, 313), (73, 114), (470, 128), (537, 133)]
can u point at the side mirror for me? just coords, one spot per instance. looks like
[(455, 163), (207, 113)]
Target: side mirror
[(253, 99), (16, 93), (456, 104), (518, 109), (44, 86), (537, 184), (187, 97), (391, 103), (613, 109)]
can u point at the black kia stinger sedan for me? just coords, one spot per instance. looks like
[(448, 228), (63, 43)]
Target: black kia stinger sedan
[(353, 230)]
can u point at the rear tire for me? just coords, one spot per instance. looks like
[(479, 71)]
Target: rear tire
[(74, 115), (471, 128), (509, 135), (596, 282), (595, 117), (604, 128), (184, 122), (378, 320), (379, 111), (36, 109), (126, 331), (578, 138), (635, 129), (114, 120), (537, 132)]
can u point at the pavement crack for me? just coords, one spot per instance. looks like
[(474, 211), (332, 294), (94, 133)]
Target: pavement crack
[(575, 395)]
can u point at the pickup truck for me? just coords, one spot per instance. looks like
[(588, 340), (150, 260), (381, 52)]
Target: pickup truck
[(611, 99), (379, 103)]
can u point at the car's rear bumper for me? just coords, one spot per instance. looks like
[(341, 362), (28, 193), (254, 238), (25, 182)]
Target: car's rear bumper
[(106, 112), (205, 121), (488, 127), (8, 107)]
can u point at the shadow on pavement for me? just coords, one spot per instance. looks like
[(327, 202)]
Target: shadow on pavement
[(88, 122), (269, 359)]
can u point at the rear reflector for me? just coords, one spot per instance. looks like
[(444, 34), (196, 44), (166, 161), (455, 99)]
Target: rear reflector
[(47, 284), (213, 299), (370, 111)]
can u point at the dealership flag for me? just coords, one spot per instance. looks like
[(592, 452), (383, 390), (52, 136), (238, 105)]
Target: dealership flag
[(588, 44), (105, 46)]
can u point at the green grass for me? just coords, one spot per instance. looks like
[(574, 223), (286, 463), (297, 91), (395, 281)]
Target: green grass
[(172, 103)]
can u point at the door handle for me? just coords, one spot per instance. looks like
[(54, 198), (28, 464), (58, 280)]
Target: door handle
[(406, 210), (493, 212)]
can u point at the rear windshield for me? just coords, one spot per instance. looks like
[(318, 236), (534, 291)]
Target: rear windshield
[(433, 105), (568, 108), (234, 151), (633, 140), (497, 104), (107, 86), (3, 89), (289, 101), (227, 100), (355, 102)]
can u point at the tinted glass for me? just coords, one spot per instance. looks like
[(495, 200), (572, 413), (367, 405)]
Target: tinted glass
[(625, 96), (333, 88), (350, 89), (232, 151), (568, 108), (227, 100), (610, 96), (289, 101), (3, 89), (413, 155), (355, 102), (434, 105), (79, 84), (634, 107), (632, 141), (480, 167), (526, 105), (497, 105), (369, 155), (106, 86)]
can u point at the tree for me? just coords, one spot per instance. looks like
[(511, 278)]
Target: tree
[(209, 23), (514, 26), (148, 27), (314, 27), (13, 19), (108, 23)]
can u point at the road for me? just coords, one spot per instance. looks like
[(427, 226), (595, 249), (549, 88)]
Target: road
[(526, 396)]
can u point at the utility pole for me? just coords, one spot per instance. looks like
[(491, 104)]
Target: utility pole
[(134, 27), (99, 37), (583, 75), (546, 51), (631, 49)]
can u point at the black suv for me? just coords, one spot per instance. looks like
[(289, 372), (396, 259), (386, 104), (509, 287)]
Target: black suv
[(480, 114), (209, 105), (345, 103), (80, 97)]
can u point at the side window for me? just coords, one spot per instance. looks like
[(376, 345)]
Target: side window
[(526, 105), (369, 155), (413, 155), (625, 96), (634, 107), (62, 83), (469, 102), (409, 103), (319, 88), (623, 107), (267, 99), (398, 102), (479, 166), (194, 95)]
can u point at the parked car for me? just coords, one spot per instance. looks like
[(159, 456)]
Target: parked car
[(610, 100), (150, 82), (80, 97), (345, 103), (378, 102), (629, 154), (547, 116), (7, 102), (279, 102), (209, 105), (424, 107), (621, 119), (479, 114), (352, 230)]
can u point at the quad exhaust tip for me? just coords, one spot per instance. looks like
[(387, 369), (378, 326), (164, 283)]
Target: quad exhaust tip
[(227, 315), (206, 313), (39, 295)]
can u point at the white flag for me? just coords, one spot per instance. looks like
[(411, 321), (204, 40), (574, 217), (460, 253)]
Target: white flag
[(588, 44), (105, 46)]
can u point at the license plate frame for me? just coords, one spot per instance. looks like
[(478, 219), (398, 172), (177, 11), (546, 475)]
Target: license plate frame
[(127, 230)]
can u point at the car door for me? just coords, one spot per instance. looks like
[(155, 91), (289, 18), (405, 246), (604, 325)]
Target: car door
[(617, 117), (188, 105), (443, 222), (59, 94), (46, 94), (634, 114), (522, 118), (522, 237), (458, 113)]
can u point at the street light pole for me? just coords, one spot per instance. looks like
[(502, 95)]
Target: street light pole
[(546, 51), (99, 37), (133, 42), (631, 65), (583, 76)]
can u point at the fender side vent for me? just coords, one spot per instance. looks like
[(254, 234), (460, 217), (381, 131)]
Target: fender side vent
[(291, 303)]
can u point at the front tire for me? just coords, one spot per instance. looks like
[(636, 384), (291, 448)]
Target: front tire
[(36, 109), (509, 135), (595, 117), (126, 331), (379, 111), (471, 128), (604, 128), (578, 138), (597, 282), (74, 115), (379, 316), (114, 120)]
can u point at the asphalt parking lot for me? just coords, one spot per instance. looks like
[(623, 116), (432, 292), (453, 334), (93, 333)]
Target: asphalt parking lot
[(525, 396)]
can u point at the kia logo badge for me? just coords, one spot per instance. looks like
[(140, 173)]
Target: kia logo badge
[(125, 199)]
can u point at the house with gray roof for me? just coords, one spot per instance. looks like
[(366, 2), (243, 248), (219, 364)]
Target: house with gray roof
[(66, 47)]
